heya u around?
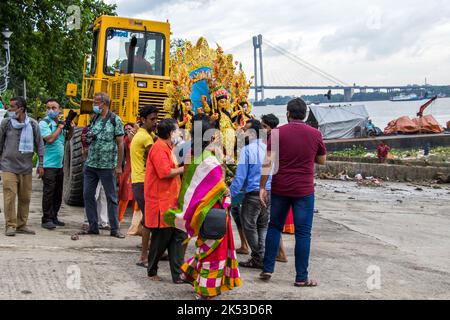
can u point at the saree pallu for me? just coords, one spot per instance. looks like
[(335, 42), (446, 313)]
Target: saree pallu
[(214, 267)]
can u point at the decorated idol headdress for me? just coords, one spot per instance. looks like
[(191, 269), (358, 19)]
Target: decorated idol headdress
[(180, 86), (241, 87), (222, 76)]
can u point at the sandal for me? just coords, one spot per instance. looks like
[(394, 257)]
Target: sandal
[(265, 276), (182, 281), (155, 278), (251, 264), (280, 259), (142, 264), (242, 251), (307, 283)]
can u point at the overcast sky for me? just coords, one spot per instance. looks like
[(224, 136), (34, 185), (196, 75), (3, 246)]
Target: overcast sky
[(376, 42)]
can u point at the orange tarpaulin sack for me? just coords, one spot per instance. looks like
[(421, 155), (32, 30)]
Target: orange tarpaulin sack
[(403, 124), (428, 124)]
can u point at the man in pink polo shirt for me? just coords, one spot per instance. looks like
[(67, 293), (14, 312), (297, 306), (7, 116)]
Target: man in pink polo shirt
[(292, 151)]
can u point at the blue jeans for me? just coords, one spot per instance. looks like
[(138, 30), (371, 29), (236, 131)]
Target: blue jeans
[(109, 183), (303, 211)]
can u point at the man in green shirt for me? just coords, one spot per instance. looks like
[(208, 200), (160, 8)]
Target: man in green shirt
[(105, 156), (54, 136)]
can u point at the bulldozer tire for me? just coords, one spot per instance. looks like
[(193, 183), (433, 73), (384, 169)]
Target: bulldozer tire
[(73, 170)]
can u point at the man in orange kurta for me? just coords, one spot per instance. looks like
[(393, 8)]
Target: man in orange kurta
[(161, 189)]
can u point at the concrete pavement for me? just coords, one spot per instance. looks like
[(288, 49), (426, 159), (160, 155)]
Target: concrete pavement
[(389, 242)]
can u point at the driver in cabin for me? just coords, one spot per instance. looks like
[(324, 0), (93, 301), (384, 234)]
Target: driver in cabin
[(141, 65)]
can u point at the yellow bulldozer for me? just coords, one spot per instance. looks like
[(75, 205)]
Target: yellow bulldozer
[(129, 60)]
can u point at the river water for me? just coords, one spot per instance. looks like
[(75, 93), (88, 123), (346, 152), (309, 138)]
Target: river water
[(381, 112)]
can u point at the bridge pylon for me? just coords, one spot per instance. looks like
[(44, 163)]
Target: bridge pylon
[(257, 51), (348, 94)]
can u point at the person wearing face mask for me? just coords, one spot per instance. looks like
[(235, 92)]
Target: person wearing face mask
[(20, 137), (181, 146), (161, 189), (104, 163), (54, 136)]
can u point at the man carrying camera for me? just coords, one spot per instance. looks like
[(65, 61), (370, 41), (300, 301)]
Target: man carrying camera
[(104, 163), (54, 133)]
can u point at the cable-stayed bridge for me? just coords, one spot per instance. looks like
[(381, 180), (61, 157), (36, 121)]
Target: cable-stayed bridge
[(275, 68)]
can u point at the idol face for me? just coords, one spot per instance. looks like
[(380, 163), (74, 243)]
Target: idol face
[(188, 105)]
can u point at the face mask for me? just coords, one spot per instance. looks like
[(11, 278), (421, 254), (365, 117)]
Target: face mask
[(176, 140), (52, 114), (96, 109), (12, 115)]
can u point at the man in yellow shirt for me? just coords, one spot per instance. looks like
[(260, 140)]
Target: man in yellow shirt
[(140, 146)]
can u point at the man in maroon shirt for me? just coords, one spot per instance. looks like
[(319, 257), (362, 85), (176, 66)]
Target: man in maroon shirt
[(291, 152)]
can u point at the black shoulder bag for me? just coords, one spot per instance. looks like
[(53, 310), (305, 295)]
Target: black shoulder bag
[(214, 226)]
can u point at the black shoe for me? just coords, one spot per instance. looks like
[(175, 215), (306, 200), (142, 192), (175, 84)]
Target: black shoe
[(48, 225), (87, 232), (59, 223), (118, 235), (251, 263)]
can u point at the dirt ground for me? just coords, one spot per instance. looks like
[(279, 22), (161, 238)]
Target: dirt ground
[(389, 242)]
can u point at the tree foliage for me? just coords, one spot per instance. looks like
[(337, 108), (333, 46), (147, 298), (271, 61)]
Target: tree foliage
[(45, 50), (175, 44)]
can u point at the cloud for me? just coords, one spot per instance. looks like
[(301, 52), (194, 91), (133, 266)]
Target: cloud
[(380, 33), (135, 7), (366, 41)]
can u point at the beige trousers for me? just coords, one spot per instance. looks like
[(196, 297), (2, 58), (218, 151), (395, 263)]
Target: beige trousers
[(16, 186)]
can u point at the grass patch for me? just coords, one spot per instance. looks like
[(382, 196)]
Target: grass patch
[(436, 154)]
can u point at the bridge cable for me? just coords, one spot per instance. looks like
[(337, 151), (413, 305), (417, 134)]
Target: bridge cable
[(305, 64)]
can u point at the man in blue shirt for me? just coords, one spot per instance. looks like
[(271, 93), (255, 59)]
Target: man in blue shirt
[(254, 217), (54, 137)]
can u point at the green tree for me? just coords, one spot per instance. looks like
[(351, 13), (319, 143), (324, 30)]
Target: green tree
[(44, 50), (175, 44)]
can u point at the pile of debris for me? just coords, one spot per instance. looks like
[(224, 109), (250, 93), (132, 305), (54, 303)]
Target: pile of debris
[(370, 182), (329, 176), (442, 178), (360, 180)]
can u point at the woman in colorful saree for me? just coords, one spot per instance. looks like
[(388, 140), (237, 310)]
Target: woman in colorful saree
[(213, 269)]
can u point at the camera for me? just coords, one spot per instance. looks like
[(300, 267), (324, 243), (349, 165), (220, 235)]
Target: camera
[(90, 138), (68, 122)]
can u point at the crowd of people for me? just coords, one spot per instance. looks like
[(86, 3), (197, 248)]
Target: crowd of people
[(179, 186)]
